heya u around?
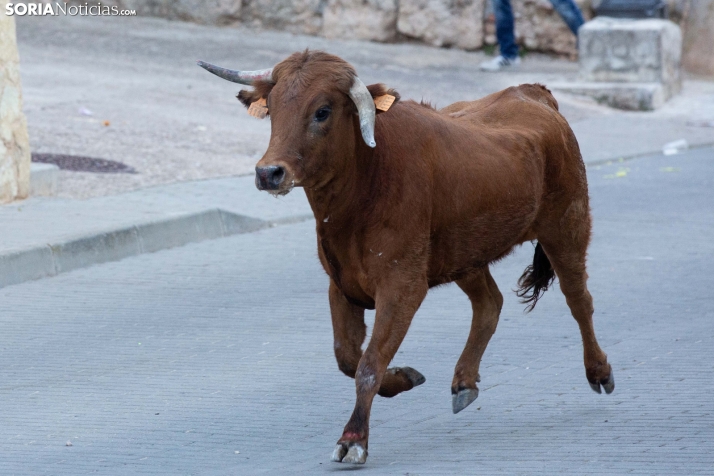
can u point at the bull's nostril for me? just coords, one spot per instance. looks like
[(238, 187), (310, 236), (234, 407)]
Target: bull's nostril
[(278, 176), (270, 177)]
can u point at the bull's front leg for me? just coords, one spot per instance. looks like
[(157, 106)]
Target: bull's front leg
[(396, 303), (349, 333)]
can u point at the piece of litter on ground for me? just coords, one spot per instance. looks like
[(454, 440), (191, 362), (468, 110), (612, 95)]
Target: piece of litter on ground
[(670, 169), (85, 112), (237, 452), (674, 147), (69, 443), (106, 123), (619, 174)]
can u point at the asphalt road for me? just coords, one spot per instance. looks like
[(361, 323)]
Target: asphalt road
[(216, 358)]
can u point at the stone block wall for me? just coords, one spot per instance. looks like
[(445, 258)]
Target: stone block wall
[(698, 26), (211, 12), (464, 24), (295, 16), (361, 19), (457, 23), (14, 142)]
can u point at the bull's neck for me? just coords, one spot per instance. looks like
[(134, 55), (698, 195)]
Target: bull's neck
[(338, 200)]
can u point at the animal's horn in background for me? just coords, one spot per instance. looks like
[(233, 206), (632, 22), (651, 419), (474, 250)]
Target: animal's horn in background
[(241, 77), (366, 109)]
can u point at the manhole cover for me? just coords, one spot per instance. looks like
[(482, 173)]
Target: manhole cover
[(77, 163)]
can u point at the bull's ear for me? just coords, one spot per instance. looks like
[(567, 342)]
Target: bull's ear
[(384, 98), (257, 105), (247, 97), (255, 100)]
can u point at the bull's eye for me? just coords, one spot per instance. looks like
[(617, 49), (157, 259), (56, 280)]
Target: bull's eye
[(323, 113)]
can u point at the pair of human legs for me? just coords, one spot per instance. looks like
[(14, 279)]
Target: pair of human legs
[(567, 9)]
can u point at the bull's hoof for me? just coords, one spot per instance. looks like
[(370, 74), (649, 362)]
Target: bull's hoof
[(414, 376), (608, 383), (354, 454), (398, 380), (339, 452), (463, 399)]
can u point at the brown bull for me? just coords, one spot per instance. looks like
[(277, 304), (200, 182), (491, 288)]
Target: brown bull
[(417, 197)]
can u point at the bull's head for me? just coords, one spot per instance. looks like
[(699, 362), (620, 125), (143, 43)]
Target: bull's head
[(317, 105)]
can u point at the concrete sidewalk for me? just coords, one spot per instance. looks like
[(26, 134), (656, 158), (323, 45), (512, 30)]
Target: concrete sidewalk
[(52, 236), (216, 358)]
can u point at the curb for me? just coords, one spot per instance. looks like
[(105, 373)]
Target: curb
[(641, 155), (112, 245)]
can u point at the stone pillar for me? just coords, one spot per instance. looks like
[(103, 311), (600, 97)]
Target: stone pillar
[(632, 51), (628, 64), (14, 142)]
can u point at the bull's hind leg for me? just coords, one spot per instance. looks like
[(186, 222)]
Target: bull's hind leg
[(349, 334), (486, 302), (566, 246)]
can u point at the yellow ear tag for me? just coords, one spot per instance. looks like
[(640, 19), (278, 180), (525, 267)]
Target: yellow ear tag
[(383, 103), (258, 108)]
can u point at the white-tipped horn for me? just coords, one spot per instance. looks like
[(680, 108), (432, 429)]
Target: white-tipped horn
[(366, 109), (241, 77)]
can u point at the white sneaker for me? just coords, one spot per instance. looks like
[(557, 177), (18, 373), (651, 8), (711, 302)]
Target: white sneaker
[(499, 62)]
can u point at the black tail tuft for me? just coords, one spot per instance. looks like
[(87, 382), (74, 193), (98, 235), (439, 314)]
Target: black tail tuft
[(536, 279)]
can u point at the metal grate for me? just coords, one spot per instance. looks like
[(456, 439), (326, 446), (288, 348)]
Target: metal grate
[(77, 163)]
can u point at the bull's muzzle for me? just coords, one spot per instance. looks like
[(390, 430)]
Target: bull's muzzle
[(270, 177)]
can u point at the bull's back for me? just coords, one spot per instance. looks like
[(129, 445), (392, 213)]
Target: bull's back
[(492, 204), (510, 106)]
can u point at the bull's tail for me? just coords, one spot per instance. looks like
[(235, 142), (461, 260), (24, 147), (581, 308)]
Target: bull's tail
[(535, 279)]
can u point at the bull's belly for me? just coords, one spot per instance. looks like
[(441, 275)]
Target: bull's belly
[(455, 255)]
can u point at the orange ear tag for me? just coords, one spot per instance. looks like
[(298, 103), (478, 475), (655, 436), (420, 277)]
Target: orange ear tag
[(258, 108), (383, 103)]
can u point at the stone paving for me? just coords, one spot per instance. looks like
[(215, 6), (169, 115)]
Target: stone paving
[(216, 358)]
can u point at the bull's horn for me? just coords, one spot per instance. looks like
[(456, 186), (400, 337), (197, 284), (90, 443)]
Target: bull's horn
[(241, 77), (366, 109)]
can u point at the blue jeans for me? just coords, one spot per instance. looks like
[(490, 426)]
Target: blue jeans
[(567, 9)]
